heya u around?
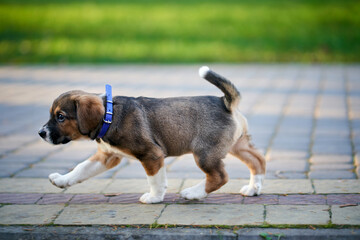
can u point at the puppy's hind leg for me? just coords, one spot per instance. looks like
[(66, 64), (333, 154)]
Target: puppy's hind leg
[(254, 160), (216, 177), (93, 166)]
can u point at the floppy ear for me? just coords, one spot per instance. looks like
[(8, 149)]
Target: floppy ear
[(90, 113)]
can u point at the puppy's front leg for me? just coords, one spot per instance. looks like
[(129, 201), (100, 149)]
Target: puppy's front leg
[(158, 186), (93, 166)]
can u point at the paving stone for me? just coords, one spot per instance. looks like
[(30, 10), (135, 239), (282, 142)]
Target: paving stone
[(262, 199), (41, 172), (212, 198), (209, 214), (287, 165), (8, 170), (11, 158), (27, 185), (72, 154), (125, 198), (346, 215), (37, 149), (332, 137), (332, 123), (337, 186), (139, 186), (48, 199), (334, 166), (127, 186), (65, 165), (89, 199), (185, 163), (20, 198), (29, 214), (171, 198), (109, 174), (234, 172), (332, 174), (285, 175), (14, 141), (291, 145), (330, 141), (343, 199), (297, 214), (330, 159), (232, 186), (183, 175), (134, 170), (271, 186), (288, 186), (89, 186), (302, 200), (235, 168), (223, 198), (290, 131), (288, 154), (332, 149), (105, 214)]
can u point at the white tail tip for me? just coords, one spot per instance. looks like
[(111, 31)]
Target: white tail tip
[(203, 71)]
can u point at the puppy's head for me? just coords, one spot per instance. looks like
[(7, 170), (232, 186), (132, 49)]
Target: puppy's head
[(73, 115)]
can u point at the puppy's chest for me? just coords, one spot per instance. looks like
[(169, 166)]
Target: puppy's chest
[(106, 147)]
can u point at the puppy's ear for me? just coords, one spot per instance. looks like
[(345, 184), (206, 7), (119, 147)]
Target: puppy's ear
[(90, 113)]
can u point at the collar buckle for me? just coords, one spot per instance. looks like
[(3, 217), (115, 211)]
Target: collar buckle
[(107, 121)]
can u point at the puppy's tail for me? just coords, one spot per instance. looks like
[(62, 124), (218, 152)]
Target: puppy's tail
[(232, 95)]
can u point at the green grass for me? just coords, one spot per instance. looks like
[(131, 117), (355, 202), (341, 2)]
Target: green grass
[(153, 31)]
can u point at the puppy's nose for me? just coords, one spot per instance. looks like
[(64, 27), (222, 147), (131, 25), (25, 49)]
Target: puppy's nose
[(42, 133)]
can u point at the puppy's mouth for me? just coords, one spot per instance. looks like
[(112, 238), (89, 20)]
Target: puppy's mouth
[(60, 140), (65, 140), (52, 136)]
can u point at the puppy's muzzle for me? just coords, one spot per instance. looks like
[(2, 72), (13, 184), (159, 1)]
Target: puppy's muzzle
[(42, 133)]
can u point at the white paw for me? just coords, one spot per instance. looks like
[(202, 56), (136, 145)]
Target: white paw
[(251, 190), (254, 187), (59, 180), (194, 192), (148, 198)]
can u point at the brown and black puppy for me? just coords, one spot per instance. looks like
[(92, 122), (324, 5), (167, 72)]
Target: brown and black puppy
[(151, 129)]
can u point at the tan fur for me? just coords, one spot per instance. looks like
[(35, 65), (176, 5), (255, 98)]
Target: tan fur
[(70, 128), (152, 167), (57, 110), (215, 178), (109, 160), (246, 152)]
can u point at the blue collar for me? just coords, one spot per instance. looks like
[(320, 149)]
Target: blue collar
[(109, 112)]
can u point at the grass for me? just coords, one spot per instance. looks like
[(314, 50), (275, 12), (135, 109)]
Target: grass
[(186, 31)]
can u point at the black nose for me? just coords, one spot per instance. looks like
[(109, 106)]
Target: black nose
[(42, 133)]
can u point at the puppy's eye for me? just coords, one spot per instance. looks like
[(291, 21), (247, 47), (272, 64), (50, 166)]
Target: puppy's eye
[(60, 117)]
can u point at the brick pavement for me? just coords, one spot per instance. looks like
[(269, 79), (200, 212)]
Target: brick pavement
[(306, 120)]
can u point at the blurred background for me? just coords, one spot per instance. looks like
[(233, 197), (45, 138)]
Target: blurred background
[(186, 31)]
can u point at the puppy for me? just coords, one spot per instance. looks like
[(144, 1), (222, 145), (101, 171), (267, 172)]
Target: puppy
[(151, 129)]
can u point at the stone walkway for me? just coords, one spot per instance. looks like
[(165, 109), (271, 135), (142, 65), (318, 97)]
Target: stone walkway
[(305, 119), (100, 201)]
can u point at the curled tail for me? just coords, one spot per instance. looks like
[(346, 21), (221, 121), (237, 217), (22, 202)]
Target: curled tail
[(232, 95)]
